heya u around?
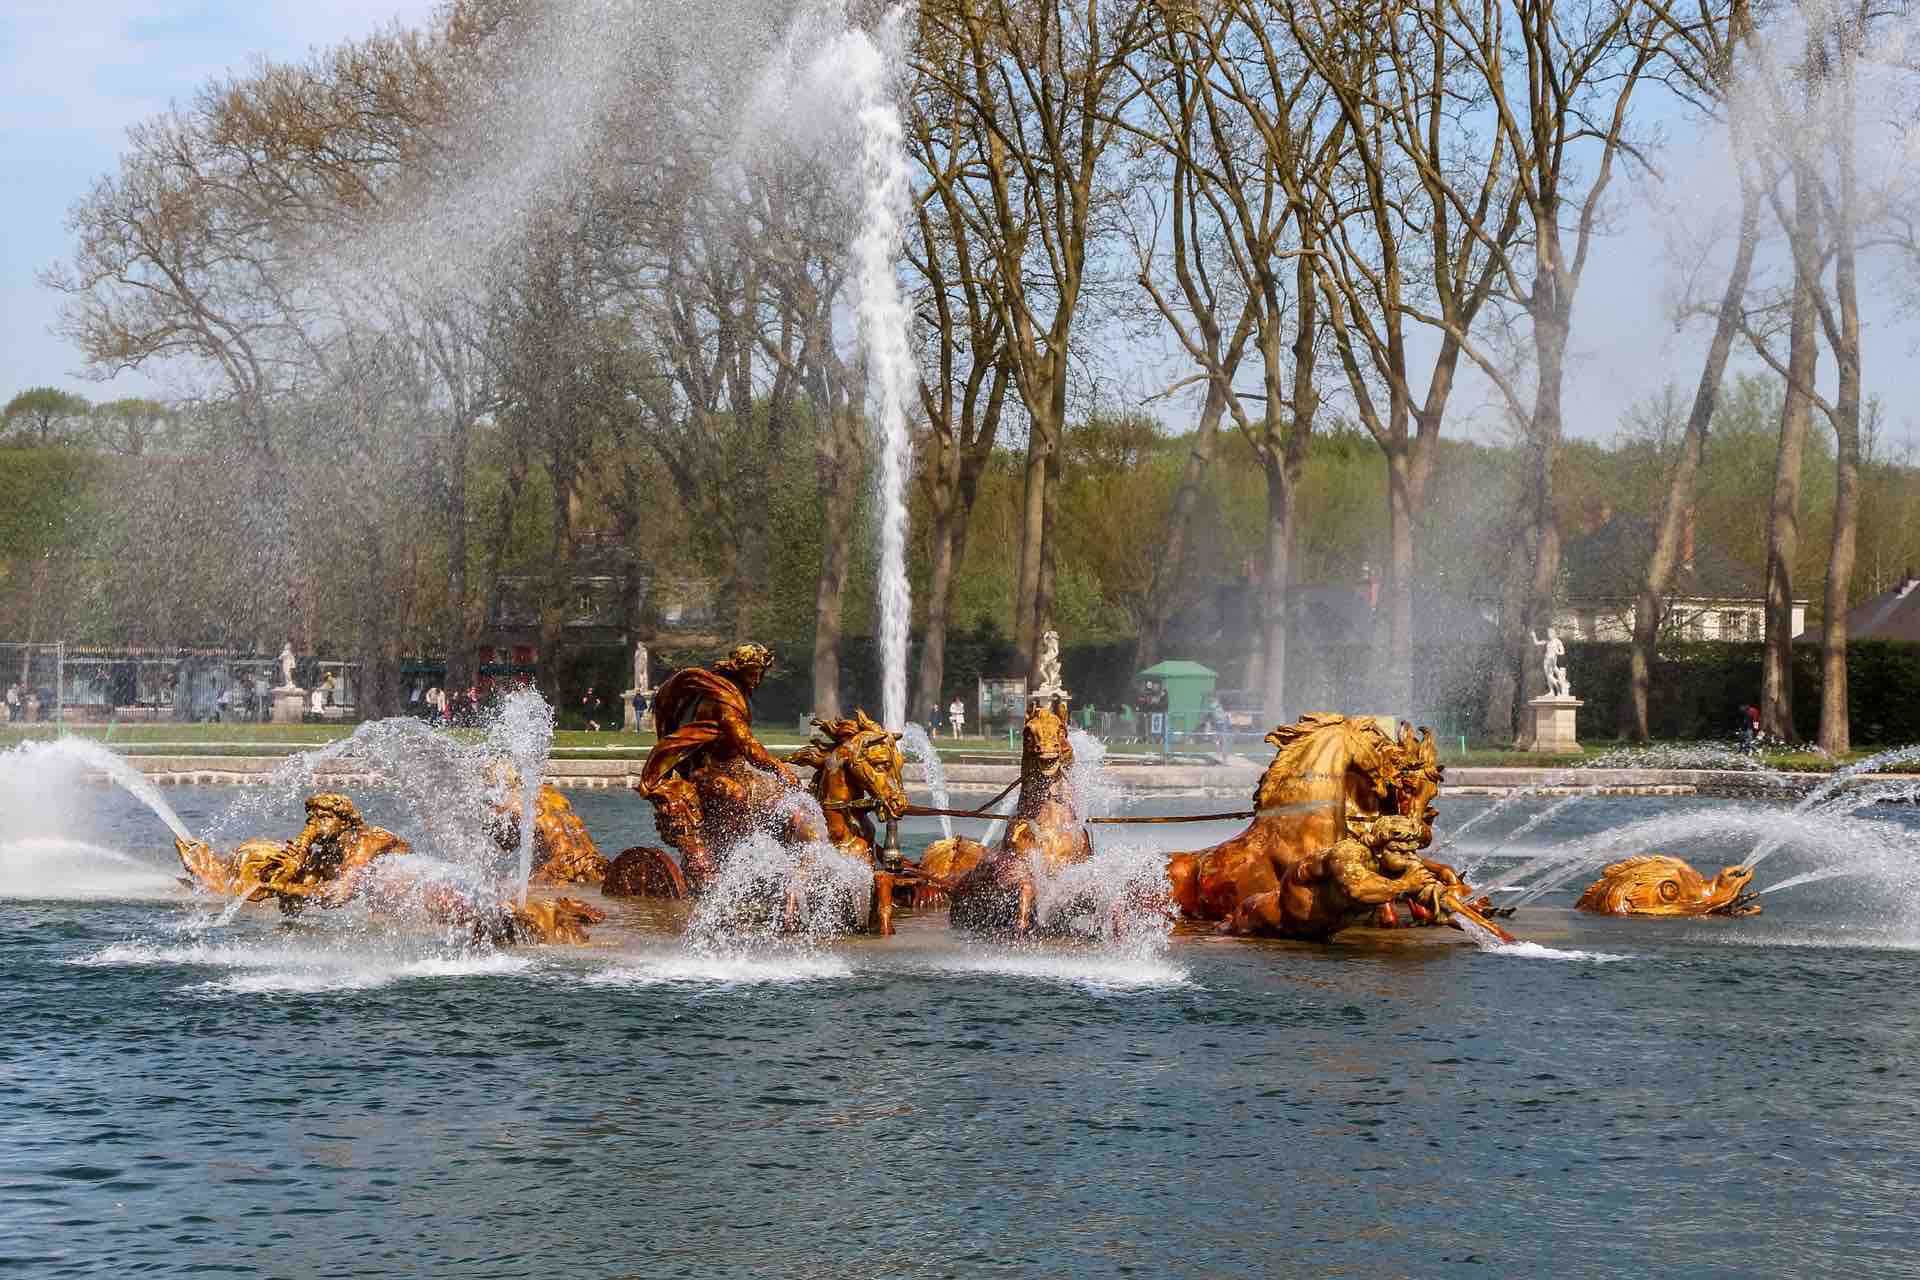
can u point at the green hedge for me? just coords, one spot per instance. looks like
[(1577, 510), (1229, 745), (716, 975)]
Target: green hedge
[(1699, 687)]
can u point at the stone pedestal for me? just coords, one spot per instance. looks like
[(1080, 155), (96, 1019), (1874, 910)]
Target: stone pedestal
[(645, 724), (1553, 729), (289, 706)]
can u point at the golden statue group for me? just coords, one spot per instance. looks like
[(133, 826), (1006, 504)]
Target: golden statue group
[(1340, 817)]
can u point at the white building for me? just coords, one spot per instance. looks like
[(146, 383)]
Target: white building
[(1711, 596)]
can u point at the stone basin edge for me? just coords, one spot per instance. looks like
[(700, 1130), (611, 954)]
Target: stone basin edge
[(1235, 781)]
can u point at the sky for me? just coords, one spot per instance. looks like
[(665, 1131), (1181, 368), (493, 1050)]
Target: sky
[(74, 74)]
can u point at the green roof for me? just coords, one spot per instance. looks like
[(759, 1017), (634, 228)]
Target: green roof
[(1174, 667)]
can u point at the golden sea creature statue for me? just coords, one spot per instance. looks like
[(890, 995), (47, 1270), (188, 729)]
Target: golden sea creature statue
[(563, 851), (996, 890), (710, 781), (1656, 884), (323, 864), (1346, 884), (329, 863), (1329, 775)]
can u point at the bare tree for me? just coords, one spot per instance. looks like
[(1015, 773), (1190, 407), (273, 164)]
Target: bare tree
[(1419, 244), (1041, 86), (963, 390), (1192, 284), (1712, 42)]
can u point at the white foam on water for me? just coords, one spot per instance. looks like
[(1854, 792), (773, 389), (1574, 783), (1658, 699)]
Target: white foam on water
[(270, 967), (1095, 970), (1534, 951), (696, 968), (52, 868), (1491, 943)]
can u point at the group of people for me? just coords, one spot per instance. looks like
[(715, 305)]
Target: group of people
[(462, 707)]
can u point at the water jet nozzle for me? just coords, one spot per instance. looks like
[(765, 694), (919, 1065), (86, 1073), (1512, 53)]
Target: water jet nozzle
[(890, 855)]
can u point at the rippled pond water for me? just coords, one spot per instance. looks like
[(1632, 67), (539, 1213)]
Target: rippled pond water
[(1712, 1098)]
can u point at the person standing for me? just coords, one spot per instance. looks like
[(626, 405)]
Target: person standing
[(957, 715)]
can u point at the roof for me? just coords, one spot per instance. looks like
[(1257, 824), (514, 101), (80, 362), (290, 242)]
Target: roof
[(1611, 564), (1175, 667), (1891, 615)]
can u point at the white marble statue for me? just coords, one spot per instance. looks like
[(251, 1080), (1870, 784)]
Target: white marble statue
[(640, 674), (287, 661), (1049, 684), (1552, 650)]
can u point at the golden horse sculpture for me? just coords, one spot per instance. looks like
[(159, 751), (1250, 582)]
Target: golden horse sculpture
[(1656, 884), (995, 890), (1328, 772), (327, 866), (858, 771)]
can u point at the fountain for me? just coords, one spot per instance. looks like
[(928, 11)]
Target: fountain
[(920, 746), (26, 768)]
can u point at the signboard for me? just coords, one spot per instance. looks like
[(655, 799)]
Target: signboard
[(1003, 701), (1157, 725)]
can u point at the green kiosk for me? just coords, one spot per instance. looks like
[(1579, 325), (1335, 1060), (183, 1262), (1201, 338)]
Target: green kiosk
[(1189, 686)]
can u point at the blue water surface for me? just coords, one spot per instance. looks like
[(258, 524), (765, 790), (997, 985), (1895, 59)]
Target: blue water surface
[(1719, 1098)]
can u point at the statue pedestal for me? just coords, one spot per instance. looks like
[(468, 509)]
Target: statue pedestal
[(626, 712), (289, 705), (1553, 730)]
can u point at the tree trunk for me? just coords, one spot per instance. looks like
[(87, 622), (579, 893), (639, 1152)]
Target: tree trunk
[(1274, 577), (1668, 538), (1044, 588), (841, 474), (1169, 568), (1550, 327), (1396, 694), (455, 648), (943, 556), (1026, 636), (1501, 724), (1835, 732), (557, 599), (1783, 524)]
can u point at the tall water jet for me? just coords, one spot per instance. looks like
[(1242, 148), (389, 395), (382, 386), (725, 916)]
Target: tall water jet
[(883, 328), (522, 731)]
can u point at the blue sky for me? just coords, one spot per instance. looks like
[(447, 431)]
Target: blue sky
[(75, 73)]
